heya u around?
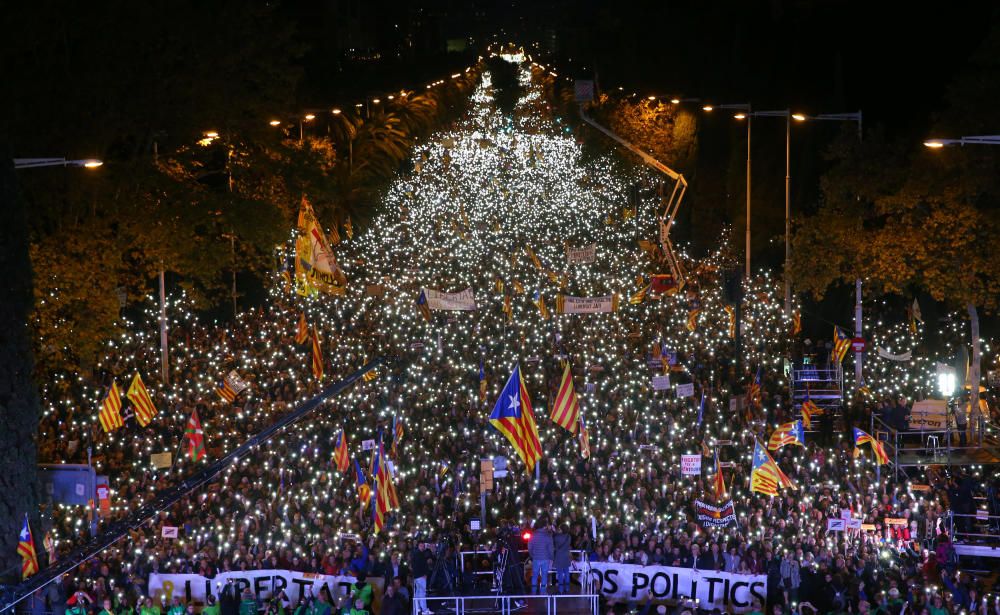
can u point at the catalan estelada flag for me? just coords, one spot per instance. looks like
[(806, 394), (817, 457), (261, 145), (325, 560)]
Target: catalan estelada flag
[(809, 410), (861, 437), (789, 433), (513, 417), (796, 322), (317, 356), (110, 414), (425, 310), (841, 344), (719, 482), (195, 437), (26, 549), (566, 409), (302, 330), (766, 477), (341, 458), (143, 404), (364, 491), (225, 391)]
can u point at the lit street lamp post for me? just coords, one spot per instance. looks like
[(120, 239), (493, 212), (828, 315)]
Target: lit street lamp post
[(742, 107), (35, 163), (974, 372), (974, 140)]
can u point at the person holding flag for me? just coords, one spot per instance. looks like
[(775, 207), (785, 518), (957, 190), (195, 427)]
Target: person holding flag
[(195, 437), (719, 481), (110, 414), (513, 417), (26, 549), (861, 437), (789, 433), (341, 457), (766, 477), (364, 491), (566, 409)]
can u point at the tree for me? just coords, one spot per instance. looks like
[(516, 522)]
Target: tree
[(910, 219), (19, 407)]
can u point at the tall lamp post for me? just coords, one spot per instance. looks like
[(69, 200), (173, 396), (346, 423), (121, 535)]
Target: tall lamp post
[(789, 116), (746, 108), (975, 140), (35, 163), (971, 307)]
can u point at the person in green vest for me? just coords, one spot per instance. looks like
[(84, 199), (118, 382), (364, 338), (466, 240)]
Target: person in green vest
[(359, 608), (106, 608), (322, 605), (77, 604), (211, 606), (177, 608), (124, 607), (362, 590), (248, 606), (149, 607)]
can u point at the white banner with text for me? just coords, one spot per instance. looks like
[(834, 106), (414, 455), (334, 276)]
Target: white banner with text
[(263, 583), (734, 593)]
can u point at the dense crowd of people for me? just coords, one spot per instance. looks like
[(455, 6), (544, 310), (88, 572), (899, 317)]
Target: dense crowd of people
[(287, 507)]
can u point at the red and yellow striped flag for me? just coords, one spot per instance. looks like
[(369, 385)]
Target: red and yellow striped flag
[(110, 414), (302, 331), (26, 549), (340, 456), (317, 356), (143, 404), (566, 409), (719, 482), (809, 410)]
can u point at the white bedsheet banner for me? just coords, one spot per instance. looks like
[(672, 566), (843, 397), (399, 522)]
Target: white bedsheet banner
[(462, 301), (263, 583), (734, 593)]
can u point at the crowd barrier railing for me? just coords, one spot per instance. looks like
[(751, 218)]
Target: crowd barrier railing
[(504, 604)]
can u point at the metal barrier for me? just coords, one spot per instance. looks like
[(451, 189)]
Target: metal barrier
[(492, 603), (959, 532), (983, 433)]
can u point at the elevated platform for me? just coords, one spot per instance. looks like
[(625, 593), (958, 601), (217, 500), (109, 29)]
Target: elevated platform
[(913, 457), (821, 386)]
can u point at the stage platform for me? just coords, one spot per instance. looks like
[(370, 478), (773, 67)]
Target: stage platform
[(552, 604), (914, 457)]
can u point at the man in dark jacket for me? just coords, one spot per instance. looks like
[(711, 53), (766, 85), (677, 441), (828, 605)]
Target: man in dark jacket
[(229, 601), (561, 558), (392, 603), (420, 568)]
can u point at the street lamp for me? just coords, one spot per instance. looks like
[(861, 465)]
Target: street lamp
[(836, 117), (308, 117), (746, 108), (789, 116), (974, 140), (35, 163)]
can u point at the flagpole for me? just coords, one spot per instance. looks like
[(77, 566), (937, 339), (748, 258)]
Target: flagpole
[(164, 353)]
